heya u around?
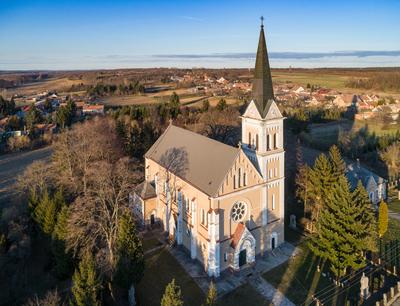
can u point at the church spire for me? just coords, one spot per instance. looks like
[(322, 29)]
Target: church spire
[(262, 84)]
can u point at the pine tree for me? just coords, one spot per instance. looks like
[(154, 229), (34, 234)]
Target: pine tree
[(366, 216), (172, 295), (211, 299), (130, 263), (59, 199), (50, 214), (303, 186), (63, 259), (337, 238), (338, 164), (86, 283), (33, 201), (39, 213), (382, 219), (321, 182)]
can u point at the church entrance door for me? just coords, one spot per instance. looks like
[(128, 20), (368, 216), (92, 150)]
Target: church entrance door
[(242, 257)]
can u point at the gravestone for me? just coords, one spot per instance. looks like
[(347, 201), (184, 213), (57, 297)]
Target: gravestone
[(364, 289), (292, 223)]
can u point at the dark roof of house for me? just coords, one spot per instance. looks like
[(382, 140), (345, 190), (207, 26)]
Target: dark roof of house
[(263, 92), (145, 190), (199, 160)]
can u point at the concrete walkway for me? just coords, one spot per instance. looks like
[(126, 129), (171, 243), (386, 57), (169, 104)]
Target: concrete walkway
[(229, 280), (269, 292)]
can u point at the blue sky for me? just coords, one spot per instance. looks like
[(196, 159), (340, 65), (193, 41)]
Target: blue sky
[(113, 34)]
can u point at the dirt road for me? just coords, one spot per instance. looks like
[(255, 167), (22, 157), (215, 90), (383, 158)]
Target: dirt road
[(14, 164)]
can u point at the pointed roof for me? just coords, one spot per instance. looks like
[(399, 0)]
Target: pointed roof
[(199, 160), (263, 92), (145, 190)]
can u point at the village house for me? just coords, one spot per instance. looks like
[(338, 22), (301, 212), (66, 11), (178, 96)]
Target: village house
[(374, 184), (223, 204)]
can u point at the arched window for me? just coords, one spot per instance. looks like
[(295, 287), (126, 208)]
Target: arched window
[(268, 143), (234, 182), (244, 179), (239, 177), (275, 141), (257, 142), (249, 144)]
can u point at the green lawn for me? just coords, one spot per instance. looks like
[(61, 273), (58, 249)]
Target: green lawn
[(150, 243), (161, 268), (298, 278), (244, 295)]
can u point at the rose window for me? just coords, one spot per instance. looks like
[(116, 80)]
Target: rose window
[(238, 211)]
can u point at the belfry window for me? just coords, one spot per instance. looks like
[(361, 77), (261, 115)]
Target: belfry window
[(268, 142), (249, 144), (275, 141)]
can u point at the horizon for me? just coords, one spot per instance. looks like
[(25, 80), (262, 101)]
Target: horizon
[(129, 34)]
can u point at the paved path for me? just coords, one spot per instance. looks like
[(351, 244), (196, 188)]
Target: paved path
[(269, 292), (14, 164)]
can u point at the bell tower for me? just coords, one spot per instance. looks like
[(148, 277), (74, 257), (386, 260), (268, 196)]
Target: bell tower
[(262, 132)]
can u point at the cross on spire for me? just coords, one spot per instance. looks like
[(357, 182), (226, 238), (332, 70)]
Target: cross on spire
[(262, 21)]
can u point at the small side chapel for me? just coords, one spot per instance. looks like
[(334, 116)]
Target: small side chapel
[(223, 204)]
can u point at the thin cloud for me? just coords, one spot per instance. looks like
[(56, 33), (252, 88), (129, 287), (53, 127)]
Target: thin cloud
[(192, 18), (282, 55)]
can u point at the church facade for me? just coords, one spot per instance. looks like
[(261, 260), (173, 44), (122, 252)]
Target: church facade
[(223, 204)]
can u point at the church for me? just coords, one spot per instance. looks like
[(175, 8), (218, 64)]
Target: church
[(224, 205)]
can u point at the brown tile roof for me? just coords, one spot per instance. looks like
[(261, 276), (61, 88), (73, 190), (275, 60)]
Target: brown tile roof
[(237, 235), (199, 160), (145, 190)]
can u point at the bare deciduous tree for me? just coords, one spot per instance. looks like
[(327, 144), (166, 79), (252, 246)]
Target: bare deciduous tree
[(93, 222), (84, 144), (391, 157), (221, 125)]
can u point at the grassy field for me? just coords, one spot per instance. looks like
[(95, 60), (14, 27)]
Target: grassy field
[(298, 278), (161, 268), (327, 134), (323, 79)]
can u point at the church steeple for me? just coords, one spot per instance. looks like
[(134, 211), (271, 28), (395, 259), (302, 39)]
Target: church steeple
[(263, 92)]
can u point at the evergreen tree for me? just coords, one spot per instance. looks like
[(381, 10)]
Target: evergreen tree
[(337, 238), (63, 259), (382, 219), (338, 164), (33, 200), (32, 117), (205, 106), (39, 214), (321, 182), (211, 299), (221, 104), (172, 295), (130, 264), (59, 199), (50, 214), (174, 105), (366, 216), (86, 283)]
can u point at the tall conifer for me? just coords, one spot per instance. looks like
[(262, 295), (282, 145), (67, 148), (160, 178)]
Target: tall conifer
[(172, 295), (86, 283), (366, 216), (337, 237), (130, 263), (338, 164)]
